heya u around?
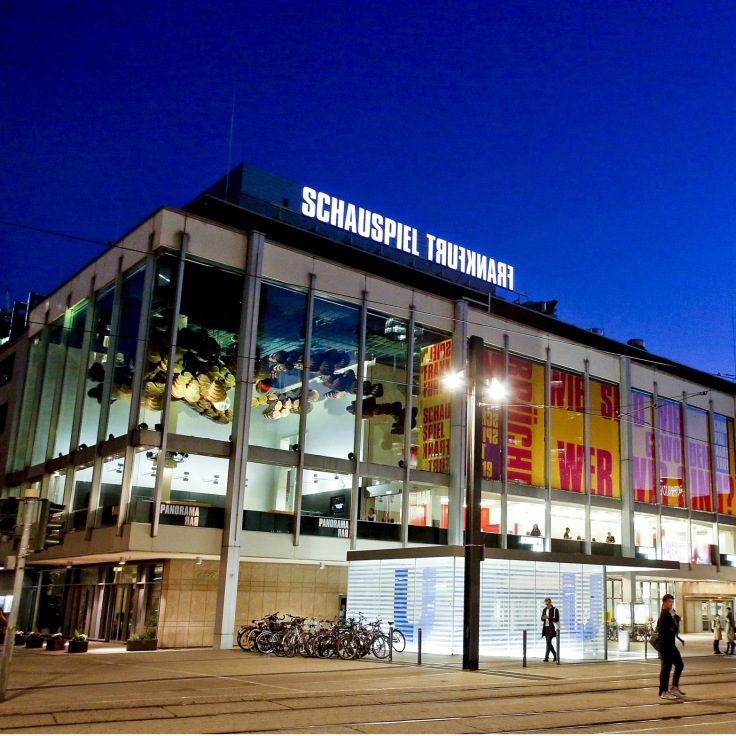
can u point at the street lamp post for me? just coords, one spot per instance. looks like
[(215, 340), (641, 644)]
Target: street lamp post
[(474, 484)]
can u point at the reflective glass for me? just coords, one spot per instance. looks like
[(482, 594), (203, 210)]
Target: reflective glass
[(52, 373), (127, 345), (72, 374)]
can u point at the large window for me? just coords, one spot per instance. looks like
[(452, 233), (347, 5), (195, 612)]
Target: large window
[(72, 370), (526, 417), (670, 453), (97, 362), (725, 470), (333, 379), (605, 452), (641, 412), (698, 454), (125, 354), (385, 391), (277, 395), (206, 352), (51, 375)]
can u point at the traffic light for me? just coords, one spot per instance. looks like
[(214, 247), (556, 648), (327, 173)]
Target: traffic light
[(9, 515), (50, 528)]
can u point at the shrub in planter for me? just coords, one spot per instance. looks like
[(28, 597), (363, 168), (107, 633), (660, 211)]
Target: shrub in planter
[(144, 641), (20, 638), (34, 640), (56, 643), (78, 643)]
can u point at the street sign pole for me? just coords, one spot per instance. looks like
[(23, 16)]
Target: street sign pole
[(29, 502)]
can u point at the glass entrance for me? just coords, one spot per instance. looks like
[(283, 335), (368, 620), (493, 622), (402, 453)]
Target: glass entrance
[(119, 612)]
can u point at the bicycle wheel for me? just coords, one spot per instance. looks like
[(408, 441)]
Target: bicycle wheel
[(380, 646), (399, 640), (264, 642)]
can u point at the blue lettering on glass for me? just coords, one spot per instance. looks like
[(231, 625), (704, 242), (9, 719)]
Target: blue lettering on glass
[(428, 611)]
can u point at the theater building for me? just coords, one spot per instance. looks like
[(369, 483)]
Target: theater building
[(242, 407)]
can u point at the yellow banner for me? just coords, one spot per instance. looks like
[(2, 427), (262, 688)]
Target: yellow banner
[(435, 406)]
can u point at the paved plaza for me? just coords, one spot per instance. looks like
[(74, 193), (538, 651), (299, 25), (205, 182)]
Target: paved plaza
[(188, 691)]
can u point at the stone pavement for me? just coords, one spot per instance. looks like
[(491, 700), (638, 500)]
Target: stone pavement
[(109, 690)]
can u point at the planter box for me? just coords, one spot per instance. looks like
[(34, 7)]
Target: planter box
[(34, 642), (55, 644), (141, 645), (20, 640), (77, 647)]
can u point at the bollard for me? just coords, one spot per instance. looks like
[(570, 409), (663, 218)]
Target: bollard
[(523, 656), (419, 645), (646, 642), (391, 643)]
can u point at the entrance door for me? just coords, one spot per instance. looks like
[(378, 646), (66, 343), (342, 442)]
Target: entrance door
[(119, 617)]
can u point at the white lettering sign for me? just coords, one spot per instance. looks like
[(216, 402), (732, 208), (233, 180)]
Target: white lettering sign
[(388, 232)]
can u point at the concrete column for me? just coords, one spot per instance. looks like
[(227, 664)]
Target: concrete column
[(458, 430), (227, 586)]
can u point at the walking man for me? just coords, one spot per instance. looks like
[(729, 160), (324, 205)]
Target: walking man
[(550, 622), (669, 654), (730, 631)]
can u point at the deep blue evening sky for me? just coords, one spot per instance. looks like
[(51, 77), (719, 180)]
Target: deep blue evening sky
[(591, 144)]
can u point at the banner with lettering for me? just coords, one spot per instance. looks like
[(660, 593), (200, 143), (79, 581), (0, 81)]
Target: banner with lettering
[(642, 435), (725, 470), (525, 410), (698, 456), (567, 421), (670, 452), (605, 445), (490, 416), (434, 408)]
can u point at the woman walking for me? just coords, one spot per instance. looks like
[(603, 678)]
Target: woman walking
[(669, 654)]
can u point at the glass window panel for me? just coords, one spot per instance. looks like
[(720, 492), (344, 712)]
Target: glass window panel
[(158, 341), (523, 514), (51, 374), (701, 541), (332, 370), (384, 395), (206, 354), (108, 508), (698, 455), (277, 400), (142, 488), (97, 364), (525, 402), (674, 540), (428, 506), (80, 498), (670, 453), (568, 516), (642, 433), (127, 345), (434, 403), (725, 470), (645, 534), (605, 448), (604, 524), (28, 405), (726, 539), (270, 488), (72, 374), (567, 444)]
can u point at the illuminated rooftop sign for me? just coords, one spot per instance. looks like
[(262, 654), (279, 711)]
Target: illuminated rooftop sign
[(393, 234)]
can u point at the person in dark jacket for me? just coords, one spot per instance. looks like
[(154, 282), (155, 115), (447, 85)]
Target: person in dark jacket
[(550, 620), (669, 654)]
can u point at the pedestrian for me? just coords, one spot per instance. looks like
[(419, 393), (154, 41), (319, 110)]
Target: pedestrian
[(717, 628), (669, 654), (3, 626), (371, 514), (550, 624), (678, 618), (567, 533), (730, 631), (535, 532), (610, 538)]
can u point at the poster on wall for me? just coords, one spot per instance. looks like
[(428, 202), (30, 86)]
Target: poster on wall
[(435, 408), (525, 411), (642, 436), (605, 444), (698, 455), (669, 453), (567, 445), (723, 439)]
